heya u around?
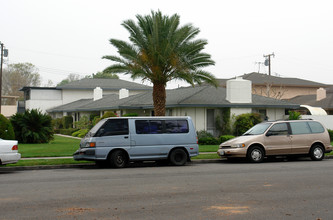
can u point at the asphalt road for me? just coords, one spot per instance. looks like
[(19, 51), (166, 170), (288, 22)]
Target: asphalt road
[(300, 189)]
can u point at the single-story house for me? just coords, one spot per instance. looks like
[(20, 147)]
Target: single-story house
[(203, 103)]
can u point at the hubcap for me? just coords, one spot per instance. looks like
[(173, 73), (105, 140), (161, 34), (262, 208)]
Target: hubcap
[(318, 152), (120, 159), (256, 155)]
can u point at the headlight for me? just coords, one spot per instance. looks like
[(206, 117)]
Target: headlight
[(238, 145)]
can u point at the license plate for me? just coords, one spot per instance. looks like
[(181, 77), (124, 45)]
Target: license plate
[(221, 153)]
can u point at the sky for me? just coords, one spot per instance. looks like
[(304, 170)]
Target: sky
[(71, 36)]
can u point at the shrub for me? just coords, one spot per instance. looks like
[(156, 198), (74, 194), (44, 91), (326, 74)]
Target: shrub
[(32, 126), (330, 132), (109, 114), (225, 138), (68, 121), (244, 122), (57, 123), (294, 115), (80, 133), (83, 123), (204, 134), (6, 129), (208, 141)]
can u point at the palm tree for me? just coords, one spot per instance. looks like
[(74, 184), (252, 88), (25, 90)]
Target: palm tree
[(161, 50)]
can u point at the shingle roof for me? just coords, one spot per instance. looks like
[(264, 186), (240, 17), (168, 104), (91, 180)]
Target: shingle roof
[(263, 79), (72, 106), (199, 96), (326, 103), (105, 84)]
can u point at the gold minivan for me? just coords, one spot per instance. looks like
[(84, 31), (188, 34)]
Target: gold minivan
[(294, 137)]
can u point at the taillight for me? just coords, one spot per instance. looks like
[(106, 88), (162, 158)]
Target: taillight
[(15, 147)]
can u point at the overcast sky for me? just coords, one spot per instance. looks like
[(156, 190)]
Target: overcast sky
[(66, 36)]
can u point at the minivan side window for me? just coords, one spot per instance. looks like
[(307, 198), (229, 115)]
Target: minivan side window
[(300, 127), (278, 129), (316, 127), (113, 127), (161, 126)]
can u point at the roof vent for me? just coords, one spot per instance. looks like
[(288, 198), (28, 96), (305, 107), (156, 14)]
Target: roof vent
[(98, 93), (239, 90), (123, 93), (321, 94)]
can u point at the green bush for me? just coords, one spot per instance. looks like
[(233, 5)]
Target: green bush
[(109, 114), (225, 138), (6, 129), (68, 121), (294, 115), (83, 123), (57, 123), (80, 133), (330, 132), (32, 126), (204, 134), (244, 122), (208, 141)]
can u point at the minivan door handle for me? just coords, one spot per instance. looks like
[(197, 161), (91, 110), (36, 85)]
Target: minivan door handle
[(126, 137)]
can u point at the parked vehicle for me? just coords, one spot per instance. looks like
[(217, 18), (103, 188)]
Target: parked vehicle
[(9, 152), (297, 137), (120, 140)]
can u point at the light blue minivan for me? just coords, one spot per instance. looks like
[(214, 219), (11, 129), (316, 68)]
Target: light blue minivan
[(119, 140)]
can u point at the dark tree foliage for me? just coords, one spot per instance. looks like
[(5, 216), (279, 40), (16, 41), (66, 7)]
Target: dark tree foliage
[(6, 129), (32, 126)]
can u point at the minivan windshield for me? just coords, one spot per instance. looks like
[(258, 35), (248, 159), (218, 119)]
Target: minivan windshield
[(258, 129), (93, 131)]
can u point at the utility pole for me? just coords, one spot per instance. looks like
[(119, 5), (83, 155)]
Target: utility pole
[(268, 62), (1, 75)]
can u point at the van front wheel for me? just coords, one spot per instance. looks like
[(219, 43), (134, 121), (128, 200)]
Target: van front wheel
[(118, 159), (178, 157)]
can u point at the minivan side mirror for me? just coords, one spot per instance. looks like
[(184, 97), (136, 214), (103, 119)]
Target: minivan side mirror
[(100, 132)]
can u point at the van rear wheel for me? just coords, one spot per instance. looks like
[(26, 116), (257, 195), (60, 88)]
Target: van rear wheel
[(317, 152), (178, 157), (118, 159)]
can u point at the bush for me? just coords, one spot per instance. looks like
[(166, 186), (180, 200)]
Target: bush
[(244, 122), (204, 134), (330, 132), (108, 115), (68, 121), (57, 123), (32, 126), (83, 123), (6, 129), (80, 133), (294, 115), (225, 138), (208, 141)]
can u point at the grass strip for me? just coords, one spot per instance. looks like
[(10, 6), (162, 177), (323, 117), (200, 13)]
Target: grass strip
[(40, 162)]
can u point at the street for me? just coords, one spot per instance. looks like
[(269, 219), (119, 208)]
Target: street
[(300, 189)]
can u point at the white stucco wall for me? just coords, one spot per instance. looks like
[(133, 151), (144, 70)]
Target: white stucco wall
[(74, 95), (42, 105), (275, 114), (326, 120), (239, 111), (45, 94)]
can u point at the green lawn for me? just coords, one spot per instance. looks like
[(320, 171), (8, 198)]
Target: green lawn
[(59, 147), (208, 148), (40, 162)]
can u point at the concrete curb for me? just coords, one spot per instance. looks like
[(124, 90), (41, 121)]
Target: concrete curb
[(93, 166)]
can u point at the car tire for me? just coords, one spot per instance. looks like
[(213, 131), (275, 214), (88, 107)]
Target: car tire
[(255, 154), (178, 157), (118, 159), (317, 152)]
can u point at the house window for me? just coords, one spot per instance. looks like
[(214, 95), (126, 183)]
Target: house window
[(210, 121)]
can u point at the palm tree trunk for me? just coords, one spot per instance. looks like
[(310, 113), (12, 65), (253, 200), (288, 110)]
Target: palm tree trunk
[(159, 99)]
